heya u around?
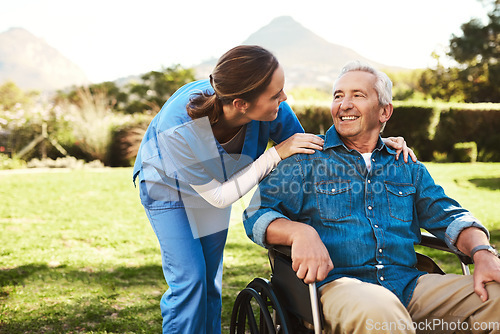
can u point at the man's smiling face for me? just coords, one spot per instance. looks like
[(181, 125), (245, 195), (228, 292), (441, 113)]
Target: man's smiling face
[(356, 110)]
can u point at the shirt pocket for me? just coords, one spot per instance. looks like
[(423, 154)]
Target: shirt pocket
[(334, 199), (400, 198)]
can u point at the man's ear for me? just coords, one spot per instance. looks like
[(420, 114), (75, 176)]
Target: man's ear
[(386, 113), (240, 105)]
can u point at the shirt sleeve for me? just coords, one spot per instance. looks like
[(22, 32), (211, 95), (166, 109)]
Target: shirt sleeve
[(279, 195), (223, 194), (440, 214)]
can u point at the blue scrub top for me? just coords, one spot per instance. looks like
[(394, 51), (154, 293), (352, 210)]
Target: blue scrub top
[(177, 151)]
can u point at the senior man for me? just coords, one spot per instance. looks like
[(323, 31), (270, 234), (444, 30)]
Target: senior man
[(352, 214)]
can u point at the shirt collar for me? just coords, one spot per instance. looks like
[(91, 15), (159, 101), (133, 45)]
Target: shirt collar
[(332, 140)]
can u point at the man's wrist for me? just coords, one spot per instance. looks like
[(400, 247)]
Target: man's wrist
[(479, 248)]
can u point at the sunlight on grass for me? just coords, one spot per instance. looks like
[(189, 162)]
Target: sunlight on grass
[(79, 256)]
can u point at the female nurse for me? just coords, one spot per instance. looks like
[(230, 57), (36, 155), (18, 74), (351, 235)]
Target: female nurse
[(204, 150)]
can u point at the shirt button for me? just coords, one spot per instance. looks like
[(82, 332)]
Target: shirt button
[(380, 250), (400, 193), (369, 207), (382, 278), (376, 226), (369, 181), (373, 160)]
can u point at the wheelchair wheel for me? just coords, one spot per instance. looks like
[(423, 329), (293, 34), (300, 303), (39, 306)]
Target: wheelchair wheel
[(253, 308)]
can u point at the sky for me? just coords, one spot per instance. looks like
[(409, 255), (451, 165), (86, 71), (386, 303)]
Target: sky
[(110, 39)]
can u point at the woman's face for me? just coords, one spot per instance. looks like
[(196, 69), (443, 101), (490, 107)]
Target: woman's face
[(265, 107)]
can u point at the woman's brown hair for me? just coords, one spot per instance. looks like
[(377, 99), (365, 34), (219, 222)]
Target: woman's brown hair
[(243, 72)]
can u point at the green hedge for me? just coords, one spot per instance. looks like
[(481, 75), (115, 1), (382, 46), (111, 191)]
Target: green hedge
[(470, 125), (433, 130), (315, 118), (430, 129), (417, 125)]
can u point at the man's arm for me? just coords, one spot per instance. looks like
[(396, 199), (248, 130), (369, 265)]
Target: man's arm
[(310, 258), (486, 264), (272, 219), (446, 219)]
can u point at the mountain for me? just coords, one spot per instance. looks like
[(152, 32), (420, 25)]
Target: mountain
[(33, 64), (308, 59)]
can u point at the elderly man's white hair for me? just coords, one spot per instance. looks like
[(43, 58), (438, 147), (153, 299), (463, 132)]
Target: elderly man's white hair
[(383, 85)]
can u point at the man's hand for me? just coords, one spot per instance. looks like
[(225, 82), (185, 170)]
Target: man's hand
[(486, 269), (486, 264), (310, 258)]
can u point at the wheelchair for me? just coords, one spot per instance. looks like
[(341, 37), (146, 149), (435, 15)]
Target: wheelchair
[(286, 305)]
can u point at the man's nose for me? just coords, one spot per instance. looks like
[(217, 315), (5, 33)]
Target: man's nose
[(346, 104)]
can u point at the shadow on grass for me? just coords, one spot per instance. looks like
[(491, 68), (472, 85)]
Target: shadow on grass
[(90, 317), (120, 276), (492, 183), (38, 299)]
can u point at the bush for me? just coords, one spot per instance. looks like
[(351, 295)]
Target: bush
[(315, 118), (11, 163), (464, 152), (416, 123), (66, 162), (466, 125), (93, 122), (26, 123), (126, 140)]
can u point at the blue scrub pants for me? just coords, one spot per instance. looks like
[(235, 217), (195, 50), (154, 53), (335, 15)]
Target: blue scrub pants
[(193, 270)]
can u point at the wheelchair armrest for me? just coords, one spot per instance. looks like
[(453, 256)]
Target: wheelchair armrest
[(282, 249), (430, 241), (292, 292)]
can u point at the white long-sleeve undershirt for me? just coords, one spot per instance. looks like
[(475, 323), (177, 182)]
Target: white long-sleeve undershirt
[(222, 195)]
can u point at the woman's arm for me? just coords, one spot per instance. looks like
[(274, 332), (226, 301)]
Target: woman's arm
[(223, 194)]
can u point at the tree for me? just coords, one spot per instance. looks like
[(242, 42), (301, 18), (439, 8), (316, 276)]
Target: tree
[(114, 96), (11, 94), (478, 52), (442, 83), (148, 95), (405, 84), (157, 87)]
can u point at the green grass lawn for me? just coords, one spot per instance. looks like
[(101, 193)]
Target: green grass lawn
[(77, 254)]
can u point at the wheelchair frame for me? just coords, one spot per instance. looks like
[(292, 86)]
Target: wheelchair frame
[(282, 312)]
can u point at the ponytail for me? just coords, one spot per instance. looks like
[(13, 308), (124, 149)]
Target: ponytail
[(203, 104)]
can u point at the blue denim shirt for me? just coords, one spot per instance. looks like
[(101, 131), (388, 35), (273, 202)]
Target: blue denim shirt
[(369, 221)]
